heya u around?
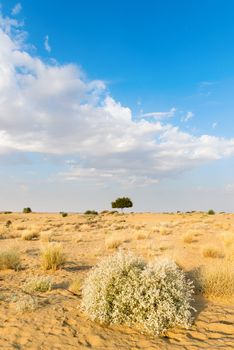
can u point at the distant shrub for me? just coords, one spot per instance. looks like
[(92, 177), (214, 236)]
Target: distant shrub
[(211, 212), (7, 212), (27, 210), (8, 223), (123, 289), (53, 257), (91, 212), (37, 284), (10, 259), (63, 214)]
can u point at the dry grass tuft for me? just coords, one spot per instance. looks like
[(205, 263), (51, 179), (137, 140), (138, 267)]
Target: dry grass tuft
[(53, 257), (188, 237), (141, 235), (10, 259), (112, 243), (30, 235), (217, 279), (211, 252)]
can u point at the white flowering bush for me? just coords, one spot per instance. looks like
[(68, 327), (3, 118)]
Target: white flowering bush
[(123, 289)]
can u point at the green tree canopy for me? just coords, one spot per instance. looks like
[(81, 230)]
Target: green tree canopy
[(123, 202)]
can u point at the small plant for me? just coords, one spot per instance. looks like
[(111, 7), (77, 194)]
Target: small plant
[(27, 210), (30, 235), (112, 243), (123, 289), (188, 237), (211, 252), (75, 286), (91, 212), (8, 223), (122, 203), (37, 284), (27, 303), (10, 259), (211, 212), (63, 214), (53, 257)]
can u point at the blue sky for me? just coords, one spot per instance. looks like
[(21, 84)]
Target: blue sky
[(146, 108)]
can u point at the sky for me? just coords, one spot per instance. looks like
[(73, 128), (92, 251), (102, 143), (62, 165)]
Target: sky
[(102, 99)]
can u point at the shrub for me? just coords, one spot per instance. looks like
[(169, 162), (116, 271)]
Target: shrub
[(10, 259), (123, 289), (8, 223), (63, 214), (211, 212), (91, 212), (37, 284), (75, 286), (53, 257), (27, 303), (27, 210)]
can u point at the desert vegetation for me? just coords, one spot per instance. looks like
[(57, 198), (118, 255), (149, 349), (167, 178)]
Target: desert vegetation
[(118, 270)]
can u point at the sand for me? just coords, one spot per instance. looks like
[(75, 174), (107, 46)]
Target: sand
[(58, 322)]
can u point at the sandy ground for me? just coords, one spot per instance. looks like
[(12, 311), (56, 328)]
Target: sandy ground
[(59, 323)]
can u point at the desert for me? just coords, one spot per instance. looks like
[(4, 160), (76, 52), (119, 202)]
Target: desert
[(56, 321)]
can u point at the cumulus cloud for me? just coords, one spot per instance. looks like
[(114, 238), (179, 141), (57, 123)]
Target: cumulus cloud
[(55, 110), (46, 44)]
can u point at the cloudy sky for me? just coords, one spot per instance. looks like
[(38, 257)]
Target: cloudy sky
[(101, 99)]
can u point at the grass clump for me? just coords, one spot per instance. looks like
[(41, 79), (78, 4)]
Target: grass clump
[(53, 257), (112, 243), (123, 289), (30, 235), (10, 259), (211, 252), (217, 279), (37, 284), (188, 237)]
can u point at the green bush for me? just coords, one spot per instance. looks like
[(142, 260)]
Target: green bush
[(211, 212), (27, 210), (91, 212), (123, 289), (63, 214)]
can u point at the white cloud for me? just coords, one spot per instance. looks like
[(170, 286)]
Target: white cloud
[(187, 117), (46, 44), (214, 125), (53, 109), (16, 9), (160, 115)]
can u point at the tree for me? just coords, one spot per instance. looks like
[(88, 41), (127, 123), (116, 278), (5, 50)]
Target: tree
[(123, 202)]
